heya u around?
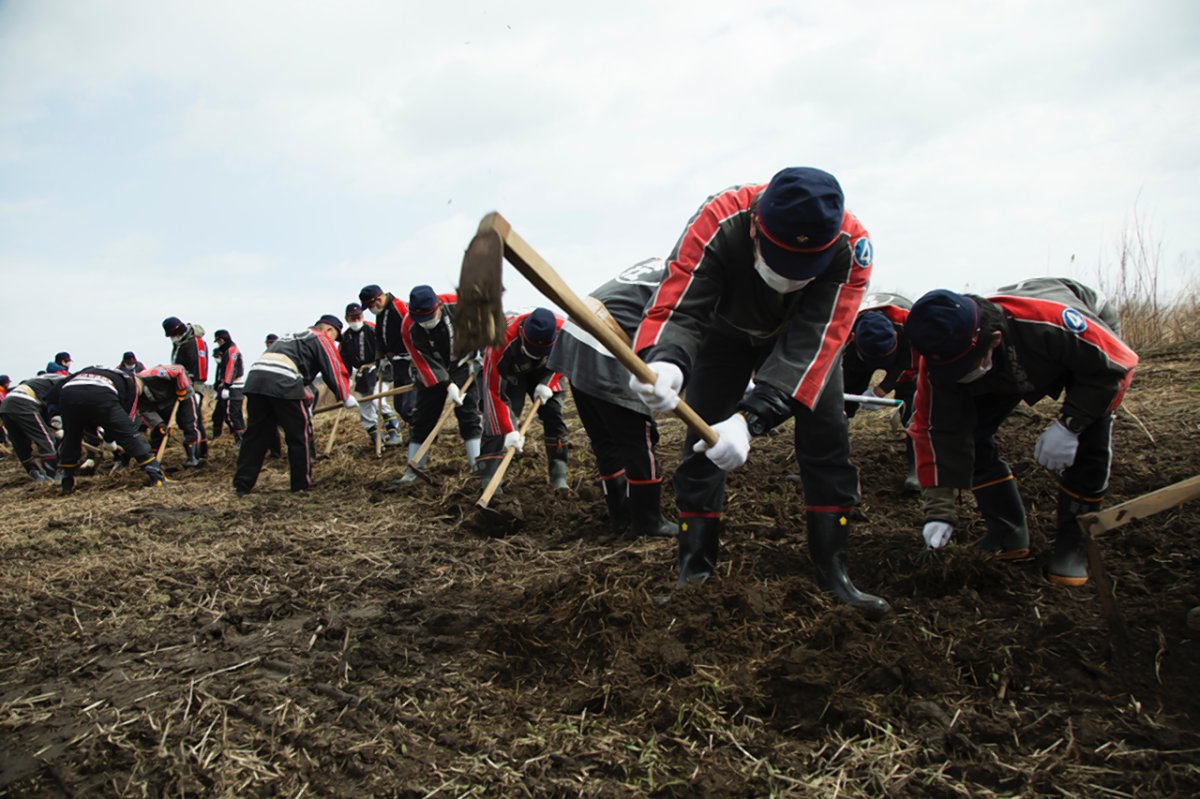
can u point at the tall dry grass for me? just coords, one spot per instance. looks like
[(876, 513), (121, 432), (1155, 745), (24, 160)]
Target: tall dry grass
[(1152, 314)]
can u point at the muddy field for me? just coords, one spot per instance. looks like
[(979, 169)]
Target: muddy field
[(370, 640)]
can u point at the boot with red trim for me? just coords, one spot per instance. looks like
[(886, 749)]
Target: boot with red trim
[(1068, 561)]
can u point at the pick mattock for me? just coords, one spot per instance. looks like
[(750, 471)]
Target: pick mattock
[(494, 484), (479, 316), (447, 412), (1092, 524), (389, 393), (162, 446)]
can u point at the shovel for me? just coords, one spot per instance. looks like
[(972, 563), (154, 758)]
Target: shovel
[(433, 434), (494, 484), (162, 445), (480, 317)]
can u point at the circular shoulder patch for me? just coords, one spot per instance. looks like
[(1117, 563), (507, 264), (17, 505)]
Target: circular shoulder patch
[(864, 252), (1073, 320)]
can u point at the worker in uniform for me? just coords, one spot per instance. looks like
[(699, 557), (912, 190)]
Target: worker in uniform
[(277, 396), (130, 363), (512, 372), (61, 365), (103, 398), (980, 357), (878, 342), (357, 348), (227, 359), (389, 312), (621, 431), (167, 388), (765, 281), (428, 333), (190, 350), (25, 413)]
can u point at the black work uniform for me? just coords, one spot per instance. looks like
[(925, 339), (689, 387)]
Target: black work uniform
[(191, 352), (720, 323), (276, 397), (24, 413), (229, 371), (621, 432), (433, 362), (98, 397), (389, 345)]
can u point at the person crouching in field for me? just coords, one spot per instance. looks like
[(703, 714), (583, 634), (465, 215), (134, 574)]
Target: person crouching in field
[(163, 389), (622, 433), (25, 415), (108, 398), (516, 370), (275, 397), (980, 358)]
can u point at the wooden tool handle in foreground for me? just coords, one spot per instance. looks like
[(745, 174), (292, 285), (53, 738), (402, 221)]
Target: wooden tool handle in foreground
[(547, 281), (437, 428), (371, 398), (494, 484), (162, 446), (1140, 507)]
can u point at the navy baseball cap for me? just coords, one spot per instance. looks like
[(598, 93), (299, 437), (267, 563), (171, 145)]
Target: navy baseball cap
[(331, 320), (354, 309), (369, 293), (173, 326), (129, 356), (423, 303), (944, 327), (538, 332), (875, 339), (799, 219)]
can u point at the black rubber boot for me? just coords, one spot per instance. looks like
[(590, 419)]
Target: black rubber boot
[(67, 481), (828, 541), (558, 473), (154, 474), (616, 497), (191, 451), (699, 544), (1004, 516), (372, 432), (645, 512), (1068, 562)]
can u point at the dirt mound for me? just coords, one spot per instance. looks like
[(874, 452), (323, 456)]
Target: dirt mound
[(368, 638)]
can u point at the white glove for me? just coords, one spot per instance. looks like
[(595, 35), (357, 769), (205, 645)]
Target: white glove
[(111, 446), (867, 407), (733, 443), (663, 396), (937, 534), (1055, 448), (224, 393), (543, 393), (515, 440), (454, 393), (350, 402)]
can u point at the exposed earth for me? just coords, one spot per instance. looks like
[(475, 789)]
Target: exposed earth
[(371, 639)]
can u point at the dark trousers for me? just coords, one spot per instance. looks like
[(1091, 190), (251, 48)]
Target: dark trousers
[(554, 429), (28, 429), (431, 400), (229, 411), (405, 404), (267, 414), (723, 367), (1087, 477), (85, 408), (623, 440)]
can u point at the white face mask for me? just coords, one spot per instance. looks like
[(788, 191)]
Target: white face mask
[(176, 339), (355, 325), (430, 324), (775, 280), (979, 371)]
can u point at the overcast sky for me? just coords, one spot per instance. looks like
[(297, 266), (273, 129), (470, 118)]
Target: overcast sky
[(250, 165)]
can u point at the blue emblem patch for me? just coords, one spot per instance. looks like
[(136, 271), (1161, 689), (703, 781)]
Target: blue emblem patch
[(1074, 321), (864, 251)]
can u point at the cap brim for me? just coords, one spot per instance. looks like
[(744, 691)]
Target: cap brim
[(958, 368), (795, 265), (423, 316)]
